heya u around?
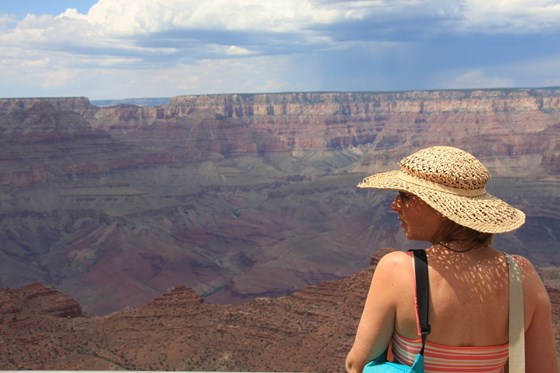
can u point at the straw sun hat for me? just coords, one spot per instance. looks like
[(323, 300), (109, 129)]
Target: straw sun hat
[(452, 182)]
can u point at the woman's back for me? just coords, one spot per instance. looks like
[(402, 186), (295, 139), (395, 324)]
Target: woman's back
[(469, 304), (468, 298)]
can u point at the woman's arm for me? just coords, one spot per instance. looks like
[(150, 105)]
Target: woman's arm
[(540, 351), (378, 317)]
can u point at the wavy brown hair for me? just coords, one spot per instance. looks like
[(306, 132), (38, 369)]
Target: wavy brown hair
[(453, 232)]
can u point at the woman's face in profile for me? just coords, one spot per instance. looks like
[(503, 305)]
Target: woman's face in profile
[(418, 219)]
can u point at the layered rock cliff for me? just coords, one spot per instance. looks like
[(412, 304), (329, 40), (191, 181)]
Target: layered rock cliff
[(243, 196), (261, 123), (36, 300), (76, 104)]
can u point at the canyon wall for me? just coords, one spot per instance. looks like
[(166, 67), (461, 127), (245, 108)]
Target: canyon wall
[(248, 195)]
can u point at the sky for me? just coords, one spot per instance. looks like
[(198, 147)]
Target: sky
[(116, 49)]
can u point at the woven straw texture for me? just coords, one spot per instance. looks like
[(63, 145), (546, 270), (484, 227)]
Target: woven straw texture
[(452, 182)]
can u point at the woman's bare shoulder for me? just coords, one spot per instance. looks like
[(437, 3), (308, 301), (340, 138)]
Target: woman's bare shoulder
[(535, 291), (392, 262), (390, 278), (527, 268), (394, 258)]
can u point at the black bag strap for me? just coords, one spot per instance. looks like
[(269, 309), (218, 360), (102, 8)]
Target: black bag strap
[(422, 293)]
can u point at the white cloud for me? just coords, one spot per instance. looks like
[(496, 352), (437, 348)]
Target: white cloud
[(478, 79), (542, 71), (57, 78), (531, 72), (6, 20), (218, 45), (72, 14), (253, 74), (112, 25), (123, 17), (272, 85), (519, 16), (235, 50), (40, 62)]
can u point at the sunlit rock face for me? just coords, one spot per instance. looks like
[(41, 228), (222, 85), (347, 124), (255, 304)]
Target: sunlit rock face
[(243, 196)]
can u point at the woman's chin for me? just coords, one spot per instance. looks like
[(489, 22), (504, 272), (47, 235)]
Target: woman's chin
[(411, 236)]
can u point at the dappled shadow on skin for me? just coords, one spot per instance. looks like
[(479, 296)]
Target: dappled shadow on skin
[(469, 289)]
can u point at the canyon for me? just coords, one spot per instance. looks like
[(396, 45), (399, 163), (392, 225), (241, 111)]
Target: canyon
[(226, 232), (245, 196)]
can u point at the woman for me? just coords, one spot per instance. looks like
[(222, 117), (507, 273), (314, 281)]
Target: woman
[(442, 200)]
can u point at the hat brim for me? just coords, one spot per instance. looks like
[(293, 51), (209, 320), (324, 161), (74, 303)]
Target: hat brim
[(483, 213)]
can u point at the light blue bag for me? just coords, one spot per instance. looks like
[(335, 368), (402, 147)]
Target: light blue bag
[(380, 364)]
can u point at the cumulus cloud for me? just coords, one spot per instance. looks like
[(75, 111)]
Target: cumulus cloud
[(518, 16), (128, 22), (381, 40), (122, 17)]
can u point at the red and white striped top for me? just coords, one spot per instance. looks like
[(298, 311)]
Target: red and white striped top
[(439, 358)]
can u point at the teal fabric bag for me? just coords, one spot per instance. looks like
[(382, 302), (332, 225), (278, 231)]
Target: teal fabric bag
[(380, 364)]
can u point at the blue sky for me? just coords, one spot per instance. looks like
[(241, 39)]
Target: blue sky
[(110, 49)]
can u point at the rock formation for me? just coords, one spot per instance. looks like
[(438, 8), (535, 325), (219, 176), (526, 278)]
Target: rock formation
[(37, 300), (310, 330), (249, 195)]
